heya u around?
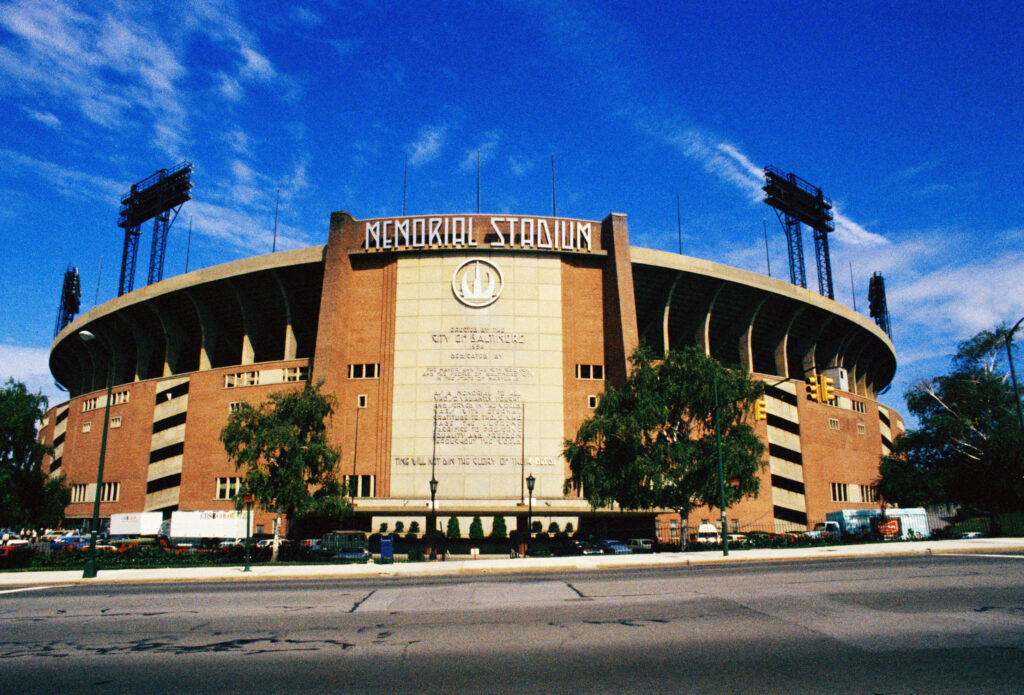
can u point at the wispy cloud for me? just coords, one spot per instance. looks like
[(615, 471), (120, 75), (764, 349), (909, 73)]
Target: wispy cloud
[(66, 180), (44, 117), (485, 150), (428, 144), (29, 365)]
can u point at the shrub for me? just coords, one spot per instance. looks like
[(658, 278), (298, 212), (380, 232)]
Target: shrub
[(569, 528), (476, 529), (453, 528), (416, 555), (536, 527), (414, 527), (399, 526), (553, 528), (383, 527), (499, 530)]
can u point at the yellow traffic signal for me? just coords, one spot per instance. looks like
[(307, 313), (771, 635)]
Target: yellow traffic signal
[(812, 389), (760, 409), (825, 390)]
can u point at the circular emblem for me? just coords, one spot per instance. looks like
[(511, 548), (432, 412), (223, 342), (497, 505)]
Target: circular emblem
[(477, 283)]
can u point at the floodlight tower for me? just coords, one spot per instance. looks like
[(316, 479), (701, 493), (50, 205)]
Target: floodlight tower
[(876, 303), (796, 201), (158, 198), (70, 295)]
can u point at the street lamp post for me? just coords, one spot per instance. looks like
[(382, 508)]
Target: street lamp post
[(721, 472), (249, 498), (1013, 373), (90, 563), (433, 518), (530, 482)]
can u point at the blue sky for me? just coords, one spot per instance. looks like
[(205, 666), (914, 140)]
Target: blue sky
[(909, 116)]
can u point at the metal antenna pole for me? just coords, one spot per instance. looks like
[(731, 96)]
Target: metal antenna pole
[(188, 244), (554, 213), (478, 182), (405, 182), (853, 289), (767, 259), (277, 202), (99, 273), (679, 225)]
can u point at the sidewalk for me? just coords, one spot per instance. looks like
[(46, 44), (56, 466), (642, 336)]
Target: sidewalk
[(460, 566)]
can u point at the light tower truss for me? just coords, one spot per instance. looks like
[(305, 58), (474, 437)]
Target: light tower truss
[(70, 296), (877, 306), (796, 201), (159, 198)]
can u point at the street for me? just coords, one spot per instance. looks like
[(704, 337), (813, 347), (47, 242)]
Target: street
[(926, 624)]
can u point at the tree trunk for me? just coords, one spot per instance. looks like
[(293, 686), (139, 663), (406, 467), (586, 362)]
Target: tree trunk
[(995, 525), (277, 536)]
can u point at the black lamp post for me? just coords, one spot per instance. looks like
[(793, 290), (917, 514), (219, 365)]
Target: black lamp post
[(1013, 373), (248, 498), (90, 563), (433, 517), (530, 482)]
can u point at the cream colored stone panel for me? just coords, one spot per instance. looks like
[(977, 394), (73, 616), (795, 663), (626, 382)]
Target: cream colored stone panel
[(162, 469), (787, 469), (175, 406), (781, 409), (173, 435), (783, 438), (789, 500), (162, 499)]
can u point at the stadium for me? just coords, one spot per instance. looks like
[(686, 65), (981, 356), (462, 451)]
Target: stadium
[(464, 349)]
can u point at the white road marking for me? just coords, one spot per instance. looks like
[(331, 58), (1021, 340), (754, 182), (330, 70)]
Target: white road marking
[(33, 588), (1011, 557)]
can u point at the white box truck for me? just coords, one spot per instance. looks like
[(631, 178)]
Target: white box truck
[(136, 524), (913, 521), (205, 528)]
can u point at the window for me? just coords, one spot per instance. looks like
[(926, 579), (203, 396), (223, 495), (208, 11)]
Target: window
[(673, 529), (360, 485), (78, 493), (833, 423), (241, 379), (590, 371), (90, 404), (363, 371), (857, 406), (233, 406), (118, 397), (839, 492), (86, 427), (115, 422), (861, 429), (227, 488), (361, 400), (110, 493), (296, 374), (867, 494), (591, 402)]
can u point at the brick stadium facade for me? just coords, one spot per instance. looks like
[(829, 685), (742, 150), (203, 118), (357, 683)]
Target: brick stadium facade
[(467, 348)]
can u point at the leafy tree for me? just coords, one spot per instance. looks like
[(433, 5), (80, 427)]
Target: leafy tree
[(651, 442), (383, 527), (281, 444), (29, 497), (553, 528), (414, 526), (453, 528), (498, 528), (476, 528), (399, 526), (569, 528), (968, 448), (536, 527)]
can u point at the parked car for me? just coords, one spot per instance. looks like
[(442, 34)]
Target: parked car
[(614, 547), (641, 545), (70, 540), (577, 547)]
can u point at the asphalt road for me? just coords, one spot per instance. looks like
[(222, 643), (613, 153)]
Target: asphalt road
[(889, 625)]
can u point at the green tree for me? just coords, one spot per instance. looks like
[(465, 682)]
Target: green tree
[(967, 448), (651, 442), (414, 526), (29, 497), (553, 528), (498, 528), (281, 445), (453, 528), (476, 529)]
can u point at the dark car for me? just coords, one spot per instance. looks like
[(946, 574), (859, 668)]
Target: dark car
[(614, 547), (577, 547)]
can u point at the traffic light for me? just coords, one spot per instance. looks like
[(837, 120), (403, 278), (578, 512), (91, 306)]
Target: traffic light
[(812, 388), (760, 409), (825, 390)]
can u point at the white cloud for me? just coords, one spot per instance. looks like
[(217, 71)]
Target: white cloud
[(428, 144), (257, 66), (68, 181), (44, 117), (306, 17), (485, 150), (519, 165), (29, 365)]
